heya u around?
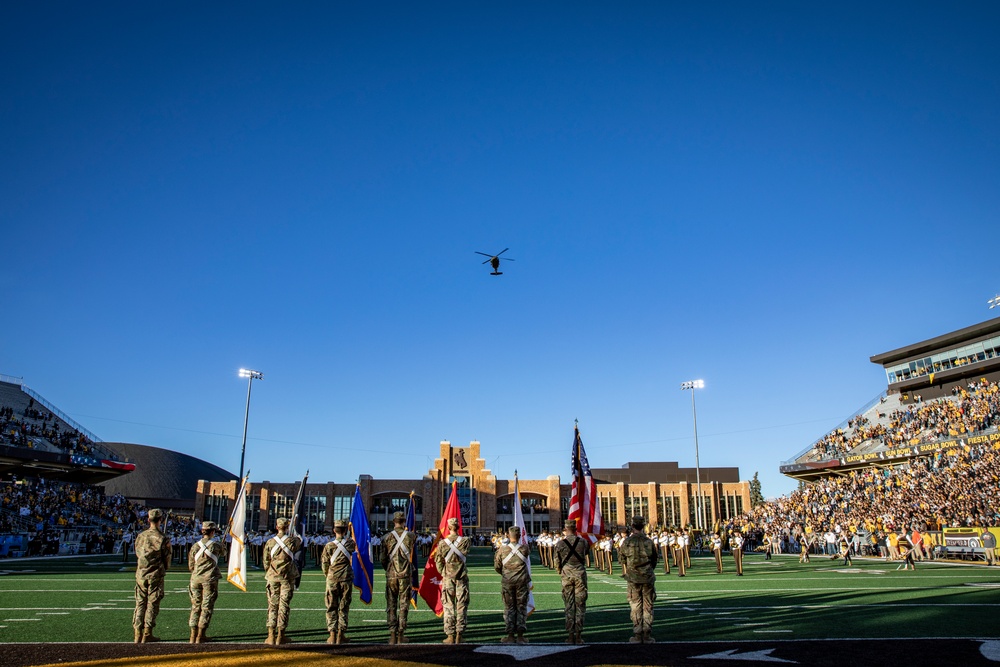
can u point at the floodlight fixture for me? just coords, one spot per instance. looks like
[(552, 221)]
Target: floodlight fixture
[(251, 375), (699, 502)]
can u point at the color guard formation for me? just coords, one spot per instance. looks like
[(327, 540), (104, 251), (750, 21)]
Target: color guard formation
[(639, 554)]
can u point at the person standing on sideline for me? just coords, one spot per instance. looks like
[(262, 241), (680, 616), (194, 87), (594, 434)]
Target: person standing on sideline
[(717, 552), (397, 545), (152, 558), (336, 564), (637, 554), (678, 548), (280, 571), (450, 557), (989, 546), (511, 562), (571, 561), (203, 564), (736, 546)]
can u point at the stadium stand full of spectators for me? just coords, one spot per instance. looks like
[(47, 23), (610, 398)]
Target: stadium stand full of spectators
[(974, 408)]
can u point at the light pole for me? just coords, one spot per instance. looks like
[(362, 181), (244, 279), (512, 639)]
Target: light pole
[(251, 376), (700, 514)]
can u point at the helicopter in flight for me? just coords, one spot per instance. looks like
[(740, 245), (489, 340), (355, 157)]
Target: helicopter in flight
[(494, 261)]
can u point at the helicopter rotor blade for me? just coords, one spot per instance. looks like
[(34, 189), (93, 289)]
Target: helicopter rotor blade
[(502, 252), (507, 259), (488, 261), (483, 254)]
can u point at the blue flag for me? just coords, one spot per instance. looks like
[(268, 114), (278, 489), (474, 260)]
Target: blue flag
[(411, 525), (364, 570)]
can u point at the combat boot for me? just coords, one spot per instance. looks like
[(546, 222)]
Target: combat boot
[(280, 638), (647, 638), (392, 637), (635, 639), (520, 638), (509, 639), (401, 638), (202, 637), (571, 638), (147, 636), (332, 639), (342, 637), (138, 635), (450, 639), (194, 636), (579, 639), (270, 637), (458, 638)]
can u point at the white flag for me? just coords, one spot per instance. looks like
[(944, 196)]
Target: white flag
[(519, 522), (237, 575)]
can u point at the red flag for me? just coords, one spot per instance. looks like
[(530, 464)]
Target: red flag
[(430, 584)]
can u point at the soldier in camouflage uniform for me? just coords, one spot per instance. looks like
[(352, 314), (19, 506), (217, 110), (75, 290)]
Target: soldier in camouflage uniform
[(203, 564), (280, 571), (571, 561), (397, 561), (336, 562), (450, 557), (511, 562), (152, 554), (637, 555)]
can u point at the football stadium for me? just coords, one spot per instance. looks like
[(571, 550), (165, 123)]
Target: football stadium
[(887, 544), (461, 334)]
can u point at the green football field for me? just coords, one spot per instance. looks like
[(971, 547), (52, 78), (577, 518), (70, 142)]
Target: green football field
[(90, 599)]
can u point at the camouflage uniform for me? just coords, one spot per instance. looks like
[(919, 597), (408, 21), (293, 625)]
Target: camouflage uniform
[(571, 561), (450, 559), (152, 554), (336, 562), (280, 571), (511, 563), (203, 564), (638, 555), (397, 562)]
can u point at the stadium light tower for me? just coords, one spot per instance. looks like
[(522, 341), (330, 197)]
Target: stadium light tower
[(251, 376), (700, 513)]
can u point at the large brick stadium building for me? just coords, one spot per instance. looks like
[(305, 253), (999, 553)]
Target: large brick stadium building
[(662, 492)]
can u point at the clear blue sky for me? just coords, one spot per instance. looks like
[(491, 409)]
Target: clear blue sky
[(761, 195)]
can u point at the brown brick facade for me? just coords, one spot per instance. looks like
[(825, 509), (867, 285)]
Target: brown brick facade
[(661, 503)]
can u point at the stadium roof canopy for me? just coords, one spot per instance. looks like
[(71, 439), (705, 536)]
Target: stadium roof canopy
[(163, 477), (930, 365)]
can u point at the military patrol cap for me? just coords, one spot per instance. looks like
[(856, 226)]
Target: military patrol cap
[(453, 523), (282, 522), (155, 514), (638, 521), (209, 525), (340, 523), (399, 517), (514, 530), (569, 524)]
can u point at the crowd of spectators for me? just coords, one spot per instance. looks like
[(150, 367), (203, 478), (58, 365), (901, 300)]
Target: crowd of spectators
[(20, 430), (959, 487), (970, 409)]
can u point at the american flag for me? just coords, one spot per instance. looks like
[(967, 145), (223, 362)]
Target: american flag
[(583, 503)]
